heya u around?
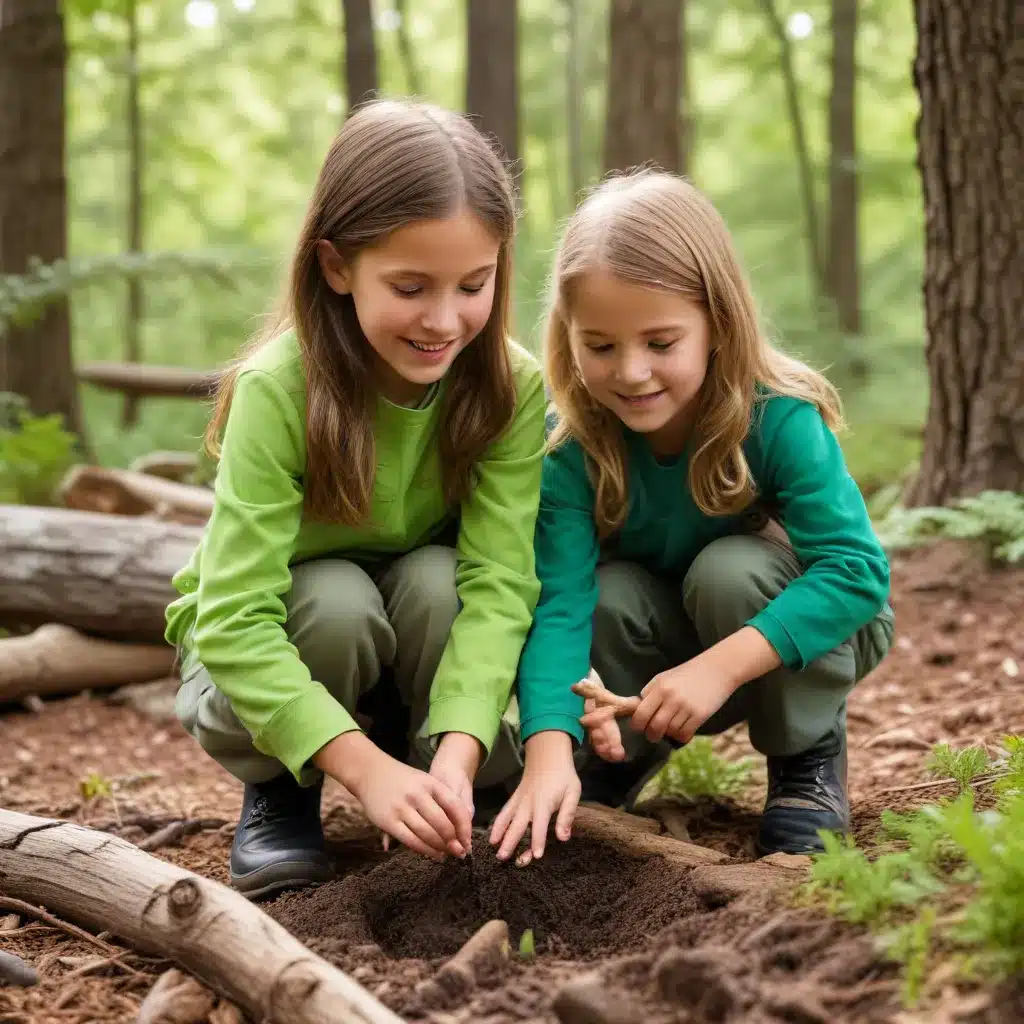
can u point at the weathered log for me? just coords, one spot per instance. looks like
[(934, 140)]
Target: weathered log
[(127, 493), (169, 465), (209, 930), (146, 381), (109, 575), (58, 659)]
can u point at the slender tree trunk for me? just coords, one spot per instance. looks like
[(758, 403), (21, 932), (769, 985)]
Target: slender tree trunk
[(133, 314), (35, 361), (413, 79), (969, 72), (842, 267), (492, 70), (687, 122), (574, 99), (360, 51), (644, 69), (812, 222)]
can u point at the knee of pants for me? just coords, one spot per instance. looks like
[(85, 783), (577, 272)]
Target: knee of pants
[(620, 609), (420, 590), (336, 615), (733, 579)]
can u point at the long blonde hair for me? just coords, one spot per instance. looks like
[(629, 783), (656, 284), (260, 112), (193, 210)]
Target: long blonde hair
[(391, 164), (657, 230)]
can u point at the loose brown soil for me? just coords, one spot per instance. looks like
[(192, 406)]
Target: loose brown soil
[(617, 938)]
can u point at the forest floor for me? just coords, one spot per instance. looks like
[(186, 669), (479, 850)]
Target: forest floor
[(654, 950)]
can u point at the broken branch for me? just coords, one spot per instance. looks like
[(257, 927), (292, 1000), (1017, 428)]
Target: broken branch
[(127, 493)]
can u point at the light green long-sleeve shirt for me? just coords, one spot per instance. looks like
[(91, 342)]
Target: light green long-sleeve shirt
[(231, 613)]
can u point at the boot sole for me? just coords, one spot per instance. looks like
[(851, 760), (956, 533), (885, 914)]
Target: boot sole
[(275, 878)]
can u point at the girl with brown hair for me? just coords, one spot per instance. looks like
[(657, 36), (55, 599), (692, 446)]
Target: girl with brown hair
[(700, 544), (380, 450)]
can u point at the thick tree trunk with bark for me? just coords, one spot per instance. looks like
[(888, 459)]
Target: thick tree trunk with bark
[(360, 51), (492, 70), (842, 260), (644, 84), (969, 72), (103, 574), (35, 361)]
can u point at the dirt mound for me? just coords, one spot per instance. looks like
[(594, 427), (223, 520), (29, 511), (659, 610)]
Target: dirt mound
[(580, 900)]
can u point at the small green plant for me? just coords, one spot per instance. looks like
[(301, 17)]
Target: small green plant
[(956, 880), (527, 947), (993, 519), (94, 786), (696, 771), (35, 453), (962, 766)]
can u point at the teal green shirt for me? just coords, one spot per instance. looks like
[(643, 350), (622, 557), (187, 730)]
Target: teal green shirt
[(799, 470), (231, 613)]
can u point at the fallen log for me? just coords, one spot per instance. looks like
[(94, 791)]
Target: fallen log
[(127, 493), (214, 933), (109, 575), (141, 380), (170, 465), (58, 659)]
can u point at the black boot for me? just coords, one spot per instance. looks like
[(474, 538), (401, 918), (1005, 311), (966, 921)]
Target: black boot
[(806, 792), (619, 783), (279, 841)]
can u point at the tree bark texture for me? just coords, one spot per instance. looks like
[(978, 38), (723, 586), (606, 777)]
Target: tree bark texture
[(35, 361), (842, 260), (133, 312), (103, 574), (644, 84), (228, 942), (969, 72), (492, 70), (360, 51)]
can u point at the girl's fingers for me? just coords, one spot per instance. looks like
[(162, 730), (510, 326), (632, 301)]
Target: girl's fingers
[(526, 857), (600, 716), (675, 727), (501, 822), (457, 812), (566, 813), (430, 809), (643, 714), (516, 831), (423, 830), (539, 835), (659, 723), (405, 836)]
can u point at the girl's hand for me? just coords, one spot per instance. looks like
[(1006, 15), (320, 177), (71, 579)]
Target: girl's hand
[(418, 810), (455, 764), (549, 786), (603, 731), (678, 702)]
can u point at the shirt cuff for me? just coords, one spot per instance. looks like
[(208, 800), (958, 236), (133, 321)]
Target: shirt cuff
[(779, 637), (464, 714), (555, 721)]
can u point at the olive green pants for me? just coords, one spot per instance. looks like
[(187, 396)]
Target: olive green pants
[(645, 624), (347, 621)]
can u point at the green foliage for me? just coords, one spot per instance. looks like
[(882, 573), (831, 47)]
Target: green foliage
[(94, 785), (993, 519), (962, 766), (696, 771), (957, 882), (35, 453), (24, 297)]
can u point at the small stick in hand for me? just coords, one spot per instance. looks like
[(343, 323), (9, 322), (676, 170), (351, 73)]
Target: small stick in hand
[(590, 689)]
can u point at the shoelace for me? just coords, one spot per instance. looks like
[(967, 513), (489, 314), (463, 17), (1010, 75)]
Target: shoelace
[(806, 773)]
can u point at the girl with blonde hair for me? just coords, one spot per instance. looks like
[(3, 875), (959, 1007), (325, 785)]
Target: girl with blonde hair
[(700, 543), (380, 453)]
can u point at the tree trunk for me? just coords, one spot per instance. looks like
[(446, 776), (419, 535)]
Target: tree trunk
[(413, 78), (215, 933), (808, 192), (644, 84), (133, 314), (842, 267), (492, 70), (103, 574), (35, 361), (574, 99), (360, 51), (969, 73)]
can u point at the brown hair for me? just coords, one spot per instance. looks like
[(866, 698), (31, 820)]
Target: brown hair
[(657, 230), (392, 163)]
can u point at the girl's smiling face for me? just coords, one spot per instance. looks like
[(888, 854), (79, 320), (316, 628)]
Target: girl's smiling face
[(642, 352), (421, 295)]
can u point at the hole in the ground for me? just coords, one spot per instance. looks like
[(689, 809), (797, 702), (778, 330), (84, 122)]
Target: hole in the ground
[(582, 898)]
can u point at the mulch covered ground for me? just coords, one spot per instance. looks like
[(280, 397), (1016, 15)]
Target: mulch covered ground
[(617, 938)]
